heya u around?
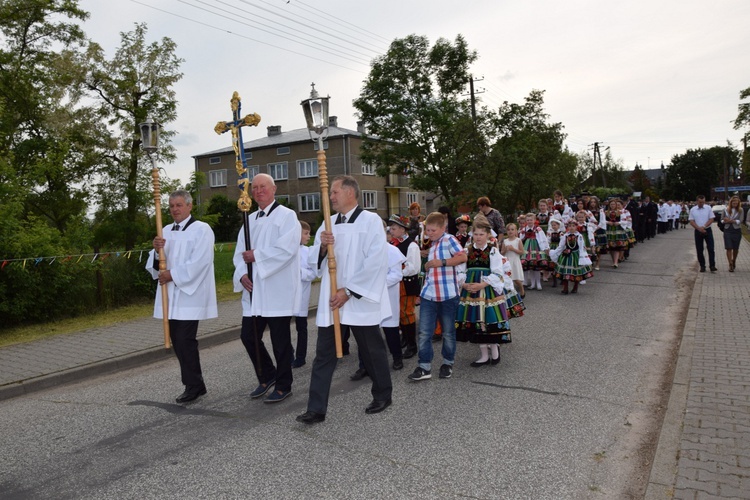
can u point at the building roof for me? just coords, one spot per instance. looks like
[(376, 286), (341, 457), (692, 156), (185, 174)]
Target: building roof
[(283, 138)]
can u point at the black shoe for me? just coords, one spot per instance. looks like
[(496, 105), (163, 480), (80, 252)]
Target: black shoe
[(298, 363), (377, 406), (410, 352), (703, 269), (310, 417), (398, 364), (477, 364), (446, 371), (359, 375), (190, 395), (277, 396), (436, 337), (713, 269), (564, 292), (262, 389), (496, 360)]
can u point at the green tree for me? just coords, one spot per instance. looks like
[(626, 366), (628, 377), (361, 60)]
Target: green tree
[(416, 122), (698, 170), (137, 83), (743, 121), (528, 160), (229, 217), (639, 180)]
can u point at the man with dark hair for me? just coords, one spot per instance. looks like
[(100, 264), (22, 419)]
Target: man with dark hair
[(701, 217), (189, 248)]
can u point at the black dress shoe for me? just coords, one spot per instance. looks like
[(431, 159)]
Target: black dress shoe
[(496, 360), (310, 417), (410, 352), (191, 395), (398, 364), (377, 406), (359, 375)]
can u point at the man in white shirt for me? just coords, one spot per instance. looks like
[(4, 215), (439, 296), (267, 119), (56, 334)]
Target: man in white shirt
[(701, 217), (189, 247), (361, 255), (274, 254)]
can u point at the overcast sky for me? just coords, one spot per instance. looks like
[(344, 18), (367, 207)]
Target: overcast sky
[(647, 78)]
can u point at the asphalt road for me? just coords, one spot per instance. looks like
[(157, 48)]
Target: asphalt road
[(572, 411)]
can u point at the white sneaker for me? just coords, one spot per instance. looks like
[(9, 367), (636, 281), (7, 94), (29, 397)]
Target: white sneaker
[(583, 282), (538, 286)]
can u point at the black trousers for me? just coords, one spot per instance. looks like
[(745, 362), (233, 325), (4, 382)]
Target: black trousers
[(708, 237), (393, 341), (371, 346), (185, 344), (300, 323), (281, 342)]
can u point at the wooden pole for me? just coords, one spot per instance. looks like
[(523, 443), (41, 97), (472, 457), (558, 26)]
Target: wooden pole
[(162, 255), (323, 176)]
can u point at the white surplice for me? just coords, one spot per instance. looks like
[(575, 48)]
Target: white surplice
[(393, 283), (190, 260)]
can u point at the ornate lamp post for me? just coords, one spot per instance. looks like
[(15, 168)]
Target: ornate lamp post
[(316, 116), (150, 144)]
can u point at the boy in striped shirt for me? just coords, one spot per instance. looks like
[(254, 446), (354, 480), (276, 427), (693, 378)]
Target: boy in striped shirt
[(439, 297)]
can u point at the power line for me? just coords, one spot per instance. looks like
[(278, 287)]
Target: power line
[(246, 37), (299, 3)]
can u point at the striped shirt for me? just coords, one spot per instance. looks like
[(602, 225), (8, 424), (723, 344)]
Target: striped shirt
[(440, 283)]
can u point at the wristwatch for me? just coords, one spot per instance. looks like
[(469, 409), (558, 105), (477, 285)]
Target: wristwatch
[(444, 263), (347, 292)]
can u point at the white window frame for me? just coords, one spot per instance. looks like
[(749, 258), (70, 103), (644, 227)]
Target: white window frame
[(248, 155), (303, 169), (368, 169), (315, 145), (272, 170), (282, 197), (412, 197), (217, 178), (214, 160), (370, 200), (304, 200), (283, 150), (252, 171)]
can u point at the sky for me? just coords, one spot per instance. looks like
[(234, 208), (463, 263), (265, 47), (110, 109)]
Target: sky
[(648, 79)]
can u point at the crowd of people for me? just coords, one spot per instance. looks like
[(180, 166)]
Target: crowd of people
[(468, 277)]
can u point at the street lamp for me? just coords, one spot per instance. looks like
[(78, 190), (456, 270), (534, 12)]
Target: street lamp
[(315, 109), (150, 144)]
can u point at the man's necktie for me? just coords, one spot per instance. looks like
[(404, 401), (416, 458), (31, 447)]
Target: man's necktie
[(261, 214), (342, 220), (176, 227)]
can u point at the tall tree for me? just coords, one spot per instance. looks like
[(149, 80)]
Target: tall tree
[(137, 83), (698, 170), (743, 121), (416, 122), (528, 159)]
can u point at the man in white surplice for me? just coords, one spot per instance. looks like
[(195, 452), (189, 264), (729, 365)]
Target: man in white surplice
[(361, 255), (189, 247), (274, 254)]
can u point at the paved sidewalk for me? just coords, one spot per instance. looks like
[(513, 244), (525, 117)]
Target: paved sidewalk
[(704, 446)]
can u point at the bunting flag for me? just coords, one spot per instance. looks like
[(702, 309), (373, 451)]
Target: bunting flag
[(101, 257)]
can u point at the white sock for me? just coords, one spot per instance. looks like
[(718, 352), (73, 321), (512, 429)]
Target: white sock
[(495, 351), (484, 355)]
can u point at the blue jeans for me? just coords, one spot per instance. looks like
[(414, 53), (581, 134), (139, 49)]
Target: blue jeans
[(430, 312)]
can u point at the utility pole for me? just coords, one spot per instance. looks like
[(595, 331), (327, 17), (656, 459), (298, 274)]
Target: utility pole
[(472, 93), (598, 154)]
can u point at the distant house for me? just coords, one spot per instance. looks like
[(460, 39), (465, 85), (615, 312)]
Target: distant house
[(291, 159)]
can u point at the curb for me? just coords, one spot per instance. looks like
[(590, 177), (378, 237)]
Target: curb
[(111, 365), (664, 469)]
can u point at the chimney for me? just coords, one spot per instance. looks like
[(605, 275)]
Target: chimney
[(361, 127), (274, 130), (333, 121)]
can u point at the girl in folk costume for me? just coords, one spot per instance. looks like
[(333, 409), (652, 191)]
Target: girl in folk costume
[(482, 317), (554, 235), (684, 214), (535, 257), (617, 237), (462, 229), (561, 207), (512, 249), (627, 220), (585, 227), (600, 232), (573, 263), (409, 290), (544, 215)]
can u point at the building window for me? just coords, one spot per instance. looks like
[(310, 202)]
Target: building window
[(248, 155), (368, 169), (369, 199), (217, 178), (309, 202), (315, 145), (214, 160), (283, 199), (283, 151), (307, 168), (412, 198), (278, 171), (252, 171)]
